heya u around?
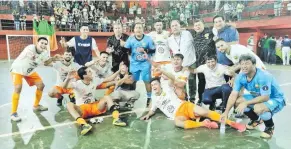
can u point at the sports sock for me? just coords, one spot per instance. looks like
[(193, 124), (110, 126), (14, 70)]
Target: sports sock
[(81, 121), (109, 90), (188, 124), (37, 99), (251, 114), (15, 100), (216, 117)]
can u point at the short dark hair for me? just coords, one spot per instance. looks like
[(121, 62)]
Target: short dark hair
[(179, 55), (246, 57), (158, 20), (104, 52), (217, 16), (42, 38), (219, 39), (71, 50), (198, 20), (211, 57), (156, 79), (82, 72), (137, 24)]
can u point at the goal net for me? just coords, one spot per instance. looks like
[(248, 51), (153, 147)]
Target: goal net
[(16, 44)]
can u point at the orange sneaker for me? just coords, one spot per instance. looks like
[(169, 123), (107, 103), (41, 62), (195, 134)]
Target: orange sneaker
[(209, 124), (238, 126)]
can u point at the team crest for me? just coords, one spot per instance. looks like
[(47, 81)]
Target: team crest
[(206, 36), (235, 57), (265, 88), (257, 86), (160, 50)]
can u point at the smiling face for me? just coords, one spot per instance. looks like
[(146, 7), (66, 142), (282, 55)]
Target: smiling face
[(219, 23), (68, 56), (89, 74), (84, 30), (156, 87), (41, 45), (138, 30), (211, 63), (177, 61), (117, 29), (199, 27), (103, 58), (221, 46)]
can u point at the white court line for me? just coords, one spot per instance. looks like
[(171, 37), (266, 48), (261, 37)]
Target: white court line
[(64, 124), (148, 135), (6, 104), (285, 84)]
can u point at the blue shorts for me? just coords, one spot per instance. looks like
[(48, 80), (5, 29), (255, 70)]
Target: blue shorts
[(144, 75), (273, 105)]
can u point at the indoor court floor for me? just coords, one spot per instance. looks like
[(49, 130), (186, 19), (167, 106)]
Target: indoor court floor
[(56, 129)]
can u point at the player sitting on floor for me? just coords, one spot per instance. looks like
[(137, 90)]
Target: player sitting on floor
[(86, 104), (265, 99), (63, 68), (183, 112), (102, 67), (216, 86), (125, 90)]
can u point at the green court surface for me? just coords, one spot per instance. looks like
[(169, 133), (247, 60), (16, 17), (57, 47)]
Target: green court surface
[(56, 129)]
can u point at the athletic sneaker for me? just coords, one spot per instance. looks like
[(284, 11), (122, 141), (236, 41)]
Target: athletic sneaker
[(268, 132), (118, 122), (85, 129), (14, 117), (253, 124), (59, 101), (209, 124), (40, 108), (238, 126), (72, 98)]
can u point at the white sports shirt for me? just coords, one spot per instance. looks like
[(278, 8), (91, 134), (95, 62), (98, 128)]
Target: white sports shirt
[(28, 60), (162, 48), (63, 70)]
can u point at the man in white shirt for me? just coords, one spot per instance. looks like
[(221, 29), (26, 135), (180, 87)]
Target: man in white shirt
[(24, 68), (183, 112), (63, 68), (182, 42), (84, 46), (86, 103), (216, 86), (234, 51), (102, 67), (173, 75)]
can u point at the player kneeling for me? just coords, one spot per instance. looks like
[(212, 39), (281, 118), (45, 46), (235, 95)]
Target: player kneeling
[(183, 112), (86, 104), (63, 68)]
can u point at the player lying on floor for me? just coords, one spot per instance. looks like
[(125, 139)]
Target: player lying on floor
[(265, 99), (183, 112), (86, 104), (63, 68)]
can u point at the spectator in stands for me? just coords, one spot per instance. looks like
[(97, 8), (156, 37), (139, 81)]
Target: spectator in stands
[(70, 21), (52, 20), (272, 51), (104, 24), (251, 42), (227, 11), (195, 10), (16, 16), (64, 21), (277, 7), (23, 22), (261, 47), (108, 6), (239, 9), (289, 8), (286, 44)]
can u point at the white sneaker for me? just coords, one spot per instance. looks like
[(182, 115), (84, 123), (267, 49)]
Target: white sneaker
[(40, 108), (14, 117)]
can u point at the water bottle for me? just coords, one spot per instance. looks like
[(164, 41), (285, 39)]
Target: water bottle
[(222, 127)]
